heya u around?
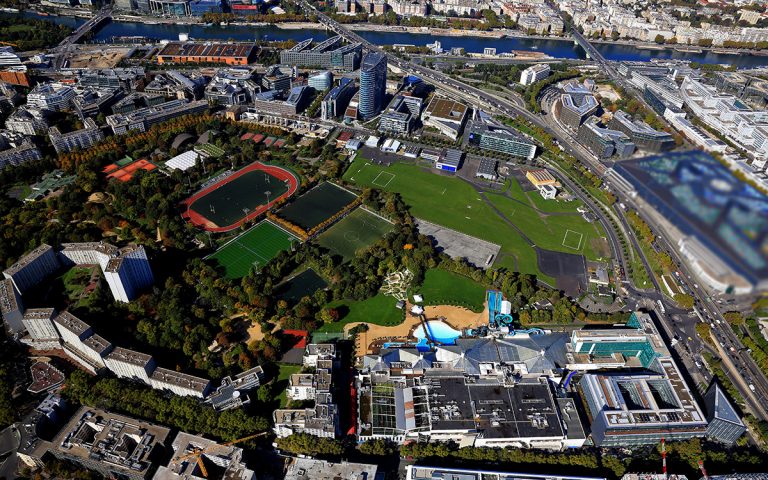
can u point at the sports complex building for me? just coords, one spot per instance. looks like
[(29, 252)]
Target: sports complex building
[(719, 223), (522, 389), (209, 52)]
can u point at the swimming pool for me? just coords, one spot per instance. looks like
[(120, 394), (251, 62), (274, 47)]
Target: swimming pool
[(439, 331)]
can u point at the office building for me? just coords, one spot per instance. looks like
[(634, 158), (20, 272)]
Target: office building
[(336, 101), (113, 445), (231, 86), (55, 97), (293, 104), (209, 52), (320, 81), (535, 73), (126, 79), (641, 408), (32, 268), (142, 119), (232, 393), (641, 134), (575, 105), (309, 468), (604, 142), (176, 84), (373, 85), (395, 123), (11, 307), (82, 139), (487, 169), (135, 101), (418, 472), (447, 116), (724, 423), (329, 54), (275, 79), (29, 121), (501, 139), (26, 152), (323, 419), (225, 460)]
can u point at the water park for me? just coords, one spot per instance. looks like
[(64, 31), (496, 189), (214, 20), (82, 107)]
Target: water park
[(429, 326)]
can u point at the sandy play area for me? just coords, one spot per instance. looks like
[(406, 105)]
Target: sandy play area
[(457, 317)]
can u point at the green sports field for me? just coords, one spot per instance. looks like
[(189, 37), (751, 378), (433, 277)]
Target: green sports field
[(317, 205), (453, 203), (253, 248), (356, 231)]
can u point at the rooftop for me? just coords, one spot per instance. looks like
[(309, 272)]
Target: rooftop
[(310, 469), (179, 379), (208, 49), (445, 109), (132, 357), (28, 258)]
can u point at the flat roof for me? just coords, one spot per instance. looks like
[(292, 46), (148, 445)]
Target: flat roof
[(419, 472), (132, 357), (443, 108), (310, 469), (207, 49)]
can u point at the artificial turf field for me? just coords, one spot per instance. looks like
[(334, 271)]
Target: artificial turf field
[(317, 205), (229, 203), (357, 230), (453, 203), (252, 248)]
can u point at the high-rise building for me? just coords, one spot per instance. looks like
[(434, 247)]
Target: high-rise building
[(575, 105), (130, 364), (39, 323), (11, 306), (373, 84), (603, 142), (33, 267)]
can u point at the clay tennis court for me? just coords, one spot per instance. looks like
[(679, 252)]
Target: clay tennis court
[(240, 197)]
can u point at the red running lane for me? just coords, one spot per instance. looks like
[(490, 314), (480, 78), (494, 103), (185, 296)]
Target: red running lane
[(201, 221)]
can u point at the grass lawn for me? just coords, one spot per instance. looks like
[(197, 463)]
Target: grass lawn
[(562, 233), (442, 287), (281, 383), (358, 230), (455, 204), (449, 202), (379, 310)]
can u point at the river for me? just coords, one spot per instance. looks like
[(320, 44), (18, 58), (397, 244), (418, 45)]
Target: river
[(554, 48)]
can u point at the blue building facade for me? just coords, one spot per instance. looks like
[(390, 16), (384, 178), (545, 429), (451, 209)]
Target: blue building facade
[(373, 84)]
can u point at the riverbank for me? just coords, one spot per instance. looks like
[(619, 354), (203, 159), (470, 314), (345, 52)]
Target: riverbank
[(504, 41)]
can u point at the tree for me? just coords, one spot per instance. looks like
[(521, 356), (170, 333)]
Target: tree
[(377, 447), (684, 301), (659, 39), (306, 444)]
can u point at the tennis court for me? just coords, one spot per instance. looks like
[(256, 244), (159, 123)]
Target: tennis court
[(358, 230), (317, 205), (253, 248)]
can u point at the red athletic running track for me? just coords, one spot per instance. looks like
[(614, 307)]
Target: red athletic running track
[(201, 221)]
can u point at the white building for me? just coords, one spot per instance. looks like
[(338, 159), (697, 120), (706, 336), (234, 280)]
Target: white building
[(39, 324), (547, 192), (535, 73), (82, 139), (80, 343), (228, 458), (179, 383)]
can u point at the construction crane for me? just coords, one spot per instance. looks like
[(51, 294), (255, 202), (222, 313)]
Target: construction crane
[(704, 475), (199, 452), (9, 44)]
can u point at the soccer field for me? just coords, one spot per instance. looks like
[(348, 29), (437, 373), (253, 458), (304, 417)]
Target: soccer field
[(357, 230), (317, 205), (253, 248)]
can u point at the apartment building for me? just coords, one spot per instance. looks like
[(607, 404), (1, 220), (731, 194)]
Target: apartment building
[(142, 119), (55, 97), (11, 307), (26, 152), (535, 73), (82, 139), (33, 268)]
